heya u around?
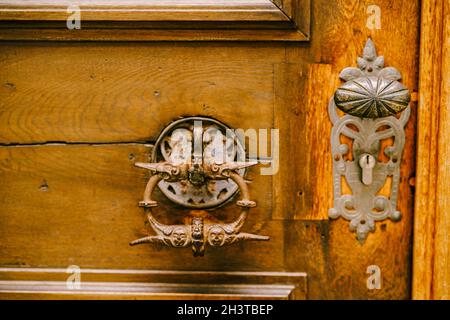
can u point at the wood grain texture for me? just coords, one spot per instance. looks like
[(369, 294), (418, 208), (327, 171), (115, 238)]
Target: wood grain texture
[(117, 93), (427, 147), (318, 164), (43, 34), (339, 34), (301, 120), (85, 213), (78, 204), (431, 278), (290, 179), (441, 272), (389, 247)]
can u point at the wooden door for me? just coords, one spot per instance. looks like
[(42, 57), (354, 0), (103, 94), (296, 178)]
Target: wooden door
[(79, 107)]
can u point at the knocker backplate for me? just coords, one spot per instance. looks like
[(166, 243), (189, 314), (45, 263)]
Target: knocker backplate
[(218, 144)]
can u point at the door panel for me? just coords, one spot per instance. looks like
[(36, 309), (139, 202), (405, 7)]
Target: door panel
[(78, 206), (115, 92), (76, 115)]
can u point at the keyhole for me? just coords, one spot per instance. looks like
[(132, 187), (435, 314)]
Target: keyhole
[(367, 163)]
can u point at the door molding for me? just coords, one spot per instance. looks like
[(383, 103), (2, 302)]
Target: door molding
[(162, 20), (431, 248), (51, 283)]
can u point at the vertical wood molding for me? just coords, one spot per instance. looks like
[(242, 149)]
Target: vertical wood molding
[(431, 264), (318, 123), (441, 275)]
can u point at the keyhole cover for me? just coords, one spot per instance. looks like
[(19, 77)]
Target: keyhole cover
[(197, 141)]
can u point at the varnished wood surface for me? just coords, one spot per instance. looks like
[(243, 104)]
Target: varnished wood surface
[(340, 262), (431, 275), (122, 92), (427, 138), (441, 276), (201, 34), (88, 213), (77, 204)]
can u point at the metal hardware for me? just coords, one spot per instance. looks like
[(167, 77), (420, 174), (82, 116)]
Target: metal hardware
[(367, 162), (194, 145), (370, 97), (198, 233), (198, 163)]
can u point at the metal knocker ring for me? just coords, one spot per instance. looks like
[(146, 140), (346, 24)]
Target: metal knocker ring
[(199, 169)]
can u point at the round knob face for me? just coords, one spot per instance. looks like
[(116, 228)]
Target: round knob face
[(372, 97), (200, 143)]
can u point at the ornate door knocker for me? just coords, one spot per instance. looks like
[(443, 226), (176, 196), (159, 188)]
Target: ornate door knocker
[(371, 97), (198, 163)]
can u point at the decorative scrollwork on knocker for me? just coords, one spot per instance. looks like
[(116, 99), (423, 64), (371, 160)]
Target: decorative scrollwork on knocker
[(371, 98), (198, 163)]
